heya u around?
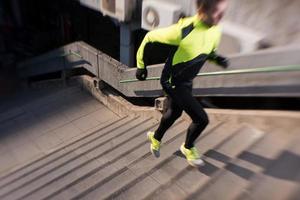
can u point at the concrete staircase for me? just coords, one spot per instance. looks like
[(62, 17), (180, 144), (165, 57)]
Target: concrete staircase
[(114, 162)]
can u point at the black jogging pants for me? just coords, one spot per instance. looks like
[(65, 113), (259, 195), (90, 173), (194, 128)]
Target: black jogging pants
[(181, 99)]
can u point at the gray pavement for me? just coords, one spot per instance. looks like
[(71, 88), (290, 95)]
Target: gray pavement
[(36, 123), (61, 143)]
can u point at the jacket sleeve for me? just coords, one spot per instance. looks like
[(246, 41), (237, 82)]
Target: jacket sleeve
[(170, 35)]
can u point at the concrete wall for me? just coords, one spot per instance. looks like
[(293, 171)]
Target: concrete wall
[(109, 70), (278, 20)]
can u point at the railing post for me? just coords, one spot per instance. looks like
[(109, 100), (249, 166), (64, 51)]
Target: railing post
[(161, 104)]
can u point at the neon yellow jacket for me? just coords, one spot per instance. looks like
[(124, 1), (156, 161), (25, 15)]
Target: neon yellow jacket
[(193, 41)]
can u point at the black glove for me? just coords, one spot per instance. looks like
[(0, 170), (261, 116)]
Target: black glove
[(219, 60), (141, 74), (222, 61)]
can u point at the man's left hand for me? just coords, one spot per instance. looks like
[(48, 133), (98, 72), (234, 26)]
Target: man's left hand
[(222, 61), (218, 59)]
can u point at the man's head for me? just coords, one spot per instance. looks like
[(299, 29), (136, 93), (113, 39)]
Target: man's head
[(211, 11)]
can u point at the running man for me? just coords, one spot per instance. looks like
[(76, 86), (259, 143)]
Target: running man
[(190, 42)]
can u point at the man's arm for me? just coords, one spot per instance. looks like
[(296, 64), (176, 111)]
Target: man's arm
[(170, 35)]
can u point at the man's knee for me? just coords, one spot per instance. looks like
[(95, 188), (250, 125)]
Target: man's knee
[(201, 120), (172, 115), (177, 114)]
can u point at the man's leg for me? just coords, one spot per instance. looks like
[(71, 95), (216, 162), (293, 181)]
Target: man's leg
[(169, 117), (183, 97), (194, 109)]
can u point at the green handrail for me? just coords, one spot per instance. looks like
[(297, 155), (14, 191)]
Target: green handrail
[(231, 72), (72, 53)]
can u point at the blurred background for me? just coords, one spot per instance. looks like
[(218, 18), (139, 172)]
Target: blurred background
[(73, 118), (30, 28)]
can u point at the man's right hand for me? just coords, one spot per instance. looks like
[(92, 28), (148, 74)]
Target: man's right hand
[(141, 74)]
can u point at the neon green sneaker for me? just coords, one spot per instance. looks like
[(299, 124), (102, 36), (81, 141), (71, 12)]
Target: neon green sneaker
[(155, 144), (192, 156)]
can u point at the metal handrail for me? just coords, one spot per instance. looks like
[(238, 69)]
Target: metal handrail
[(231, 72)]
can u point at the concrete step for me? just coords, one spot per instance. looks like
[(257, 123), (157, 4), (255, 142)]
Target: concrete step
[(190, 181), (135, 181), (96, 160), (78, 157), (130, 153), (168, 174), (280, 177), (222, 156), (29, 132), (240, 171), (124, 175), (26, 170), (37, 97), (111, 160), (40, 100), (295, 195)]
